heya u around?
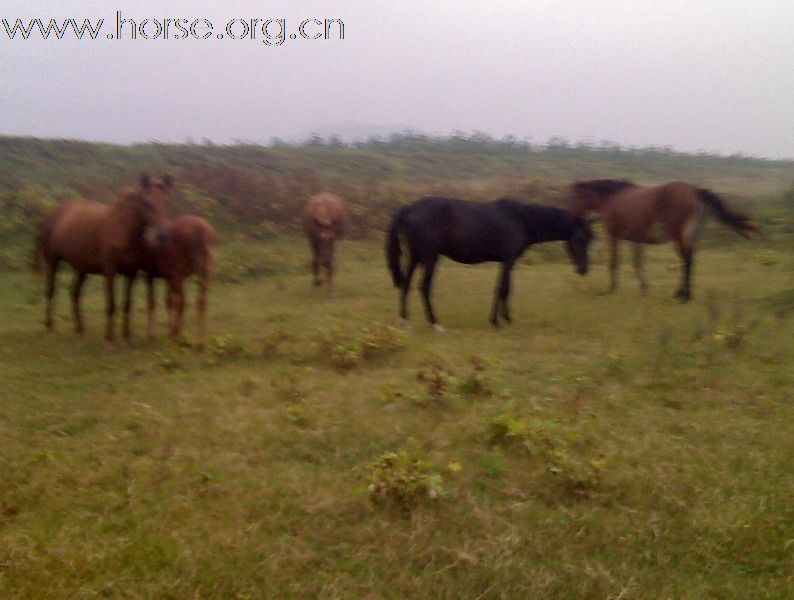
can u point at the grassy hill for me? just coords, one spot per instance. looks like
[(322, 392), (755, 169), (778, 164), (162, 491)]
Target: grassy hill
[(600, 446)]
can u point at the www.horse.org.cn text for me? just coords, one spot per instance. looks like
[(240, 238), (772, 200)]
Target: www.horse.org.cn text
[(268, 31)]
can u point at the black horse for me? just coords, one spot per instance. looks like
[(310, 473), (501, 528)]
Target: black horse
[(474, 232)]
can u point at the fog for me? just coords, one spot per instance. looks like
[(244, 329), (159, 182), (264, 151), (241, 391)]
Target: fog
[(712, 75)]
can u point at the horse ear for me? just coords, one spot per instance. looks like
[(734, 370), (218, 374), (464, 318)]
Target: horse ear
[(146, 181), (168, 181)]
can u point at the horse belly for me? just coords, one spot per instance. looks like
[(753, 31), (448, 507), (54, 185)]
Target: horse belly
[(655, 234), (81, 254), (468, 258), (471, 254)]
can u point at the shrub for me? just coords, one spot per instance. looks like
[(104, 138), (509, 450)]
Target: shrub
[(403, 480), (438, 382)]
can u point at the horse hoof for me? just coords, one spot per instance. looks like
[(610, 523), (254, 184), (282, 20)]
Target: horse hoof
[(439, 328)]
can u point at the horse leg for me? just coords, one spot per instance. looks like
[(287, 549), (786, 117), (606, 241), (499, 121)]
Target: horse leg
[(129, 282), (427, 284), (684, 291), (505, 289), (110, 304), (49, 292), (640, 269), (315, 261), (201, 310), (500, 295), (77, 288), (407, 286), (151, 306), (178, 302), (613, 265), (329, 269)]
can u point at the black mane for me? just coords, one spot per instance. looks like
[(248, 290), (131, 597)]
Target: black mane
[(603, 187), (543, 223)]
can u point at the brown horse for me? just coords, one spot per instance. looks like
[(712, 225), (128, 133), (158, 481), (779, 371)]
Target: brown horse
[(649, 215), (186, 251), (324, 220), (106, 239)]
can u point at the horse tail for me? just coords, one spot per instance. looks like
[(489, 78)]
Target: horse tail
[(38, 254), (203, 240), (393, 251), (732, 218), (40, 242)]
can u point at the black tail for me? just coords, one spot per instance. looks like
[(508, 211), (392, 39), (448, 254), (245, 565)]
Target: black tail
[(733, 218), (393, 251)]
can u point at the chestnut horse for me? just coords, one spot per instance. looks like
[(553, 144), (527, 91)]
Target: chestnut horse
[(324, 220), (106, 239), (650, 215), (186, 251)]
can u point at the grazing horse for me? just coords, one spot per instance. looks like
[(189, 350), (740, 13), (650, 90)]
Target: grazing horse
[(186, 251), (474, 232), (650, 215), (324, 220), (106, 239)]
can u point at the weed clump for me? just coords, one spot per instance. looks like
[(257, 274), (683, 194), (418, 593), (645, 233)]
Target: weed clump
[(345, 350), (477, 382), (403, 480), (553, 446), (439, 383)]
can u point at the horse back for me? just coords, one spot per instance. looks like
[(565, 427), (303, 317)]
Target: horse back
[(187, 251), (325, 211), (74, 233), (467, 232), (636, 213)]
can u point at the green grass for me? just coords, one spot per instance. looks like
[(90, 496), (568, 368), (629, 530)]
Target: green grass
[(651, 450)]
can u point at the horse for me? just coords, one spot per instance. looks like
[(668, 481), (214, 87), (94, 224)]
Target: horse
[(475, 232), (106, 239), (325, 220), (649, 215), (186, 251)]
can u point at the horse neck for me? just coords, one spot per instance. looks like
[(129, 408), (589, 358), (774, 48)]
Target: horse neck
[(126, 221), (547, 225), (589, 202)]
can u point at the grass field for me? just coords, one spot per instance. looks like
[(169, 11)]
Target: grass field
[(601, 446)]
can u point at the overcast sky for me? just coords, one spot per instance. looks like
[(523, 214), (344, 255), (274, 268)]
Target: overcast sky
[(715, 75)]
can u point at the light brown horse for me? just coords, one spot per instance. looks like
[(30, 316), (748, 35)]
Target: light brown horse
[(325, 220), (106, 239), (186, 251), (649, 215)]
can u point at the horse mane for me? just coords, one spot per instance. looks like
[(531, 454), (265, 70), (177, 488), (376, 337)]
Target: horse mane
[(539, 217), (603, 187)]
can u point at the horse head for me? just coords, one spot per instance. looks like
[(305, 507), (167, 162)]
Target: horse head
[(577, 245), (152, 202)]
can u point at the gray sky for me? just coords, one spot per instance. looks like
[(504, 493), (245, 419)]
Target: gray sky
[(715, 75)]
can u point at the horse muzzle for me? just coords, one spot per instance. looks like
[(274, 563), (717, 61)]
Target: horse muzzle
[(157, 236), (161, 236)]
